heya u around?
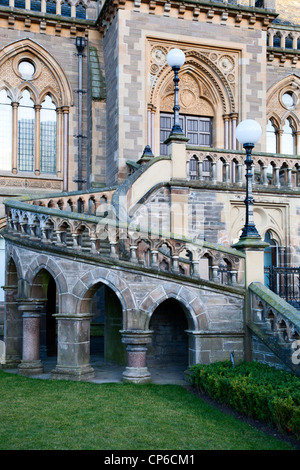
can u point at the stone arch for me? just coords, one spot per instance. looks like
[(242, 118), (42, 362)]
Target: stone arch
[(48, 264), (205, 92), (12, 255), (276, 109), (13, 331), (116, 304), (193, 307), (204, 72), (58, 83), (85, 287), (44, 290)]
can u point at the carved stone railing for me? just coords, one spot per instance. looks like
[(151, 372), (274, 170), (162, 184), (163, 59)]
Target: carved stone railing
[(284, 37), (227, 166), (276, 323), (102, 237)]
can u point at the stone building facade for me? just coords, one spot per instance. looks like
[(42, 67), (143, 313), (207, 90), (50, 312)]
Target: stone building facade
[(87, 99)]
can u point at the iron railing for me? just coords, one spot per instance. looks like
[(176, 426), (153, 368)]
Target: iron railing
[(285, 282)]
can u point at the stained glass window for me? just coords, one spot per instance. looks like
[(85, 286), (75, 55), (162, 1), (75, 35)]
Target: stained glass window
[(48, 136), (5, 132), (26, 125)]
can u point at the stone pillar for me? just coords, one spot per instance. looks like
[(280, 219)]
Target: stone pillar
[(233, 132), (239, 174), (264, 175), (15, 138), (253, 248), (213, 172), (154, 258), (226, 118), (276, 181), (31, 363), (137, 341), (289, 178), (13, 328), (73, 347)]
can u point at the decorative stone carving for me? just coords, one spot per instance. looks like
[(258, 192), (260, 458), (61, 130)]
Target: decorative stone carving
[(203, 71)]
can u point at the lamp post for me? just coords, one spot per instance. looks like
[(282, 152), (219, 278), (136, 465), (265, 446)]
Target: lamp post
[(248, 132), (176, 59)]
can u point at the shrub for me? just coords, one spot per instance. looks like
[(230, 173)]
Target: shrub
[(254, 389)]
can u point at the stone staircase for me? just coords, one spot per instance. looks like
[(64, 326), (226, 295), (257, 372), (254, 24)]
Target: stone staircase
[(276, 324)]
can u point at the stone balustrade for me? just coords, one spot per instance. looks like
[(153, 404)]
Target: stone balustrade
[(276, 323), (227, 166), (284, 38), (99, 236)]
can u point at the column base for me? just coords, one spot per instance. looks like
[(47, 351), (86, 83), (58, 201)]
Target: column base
[(136, 375), (10, 364), (31, 368), (83, 373)]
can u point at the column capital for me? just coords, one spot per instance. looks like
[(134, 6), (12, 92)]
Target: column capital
[(31, 306), (137, 337)]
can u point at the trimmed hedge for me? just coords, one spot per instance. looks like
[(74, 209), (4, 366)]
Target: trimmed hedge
[(254, 389)]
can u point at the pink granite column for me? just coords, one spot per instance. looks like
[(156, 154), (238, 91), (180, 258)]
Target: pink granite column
[(137, 341), (31, 363)]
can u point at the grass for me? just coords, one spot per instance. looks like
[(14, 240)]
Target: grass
[(40, 414)]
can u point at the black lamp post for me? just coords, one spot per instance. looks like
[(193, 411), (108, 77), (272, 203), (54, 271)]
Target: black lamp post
[(176, 59), (248, 132)]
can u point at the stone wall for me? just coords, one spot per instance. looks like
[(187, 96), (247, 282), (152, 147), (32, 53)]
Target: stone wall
[(111, 60), (288, 11), (261, 353)]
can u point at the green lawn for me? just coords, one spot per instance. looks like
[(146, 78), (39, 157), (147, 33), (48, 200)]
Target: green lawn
[(45, 414)]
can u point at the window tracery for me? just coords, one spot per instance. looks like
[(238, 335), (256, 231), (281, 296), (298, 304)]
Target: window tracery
[(35, 97)]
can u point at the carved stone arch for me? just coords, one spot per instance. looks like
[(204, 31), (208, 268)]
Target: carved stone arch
[(6, 86), (12, 255), (51, 267), (49, 70), (293, 118), (275, 119), (89, 283), (83, 2), (289, 84), (34, 94), (204, 72), (274, 235), (49, 91), (194, 309)]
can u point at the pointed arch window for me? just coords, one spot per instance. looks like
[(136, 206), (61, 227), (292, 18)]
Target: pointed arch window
[(288, 139), (48, 132), (5, 132), (271, 137), (66, 9), (26, 133), (80, 11)]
